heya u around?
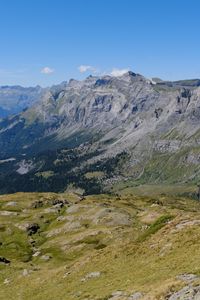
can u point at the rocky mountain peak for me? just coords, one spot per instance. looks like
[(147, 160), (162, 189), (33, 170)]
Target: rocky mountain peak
[(106, 117)]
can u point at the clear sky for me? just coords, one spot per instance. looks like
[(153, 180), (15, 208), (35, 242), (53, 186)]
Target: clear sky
[(49, 41)]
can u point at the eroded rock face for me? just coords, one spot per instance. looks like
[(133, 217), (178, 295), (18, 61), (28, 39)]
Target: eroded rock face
[(167, 146), (118, 295), (91, 275), (37, 204), (80, 216), (8, 213), (45, 257), (187, 277), (11, 203), (111, 217), (7, 281), (187, 293), (32, 228), (4, 260), (135, 296), (25, 167), (122, 295)]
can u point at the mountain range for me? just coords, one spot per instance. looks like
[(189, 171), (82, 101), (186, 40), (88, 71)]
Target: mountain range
[(14, 99), (98, 133)]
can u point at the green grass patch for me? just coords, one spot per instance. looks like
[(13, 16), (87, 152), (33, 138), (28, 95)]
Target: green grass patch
[(153, 228)]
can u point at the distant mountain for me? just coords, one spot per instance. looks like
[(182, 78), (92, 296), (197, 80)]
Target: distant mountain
[(14, 99), (101, 131)]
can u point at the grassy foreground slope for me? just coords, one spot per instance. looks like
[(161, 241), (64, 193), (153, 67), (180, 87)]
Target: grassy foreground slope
[(66, 247)]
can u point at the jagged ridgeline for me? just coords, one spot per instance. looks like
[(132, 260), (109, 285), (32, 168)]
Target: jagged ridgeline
[(102, 131)]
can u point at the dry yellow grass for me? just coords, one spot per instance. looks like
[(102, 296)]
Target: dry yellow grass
[(136, 243)]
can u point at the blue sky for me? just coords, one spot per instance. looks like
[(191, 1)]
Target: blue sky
[(46, 41)]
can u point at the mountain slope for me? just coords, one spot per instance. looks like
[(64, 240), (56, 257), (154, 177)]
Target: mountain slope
[(63, 246), (14, 99), (125, 127)]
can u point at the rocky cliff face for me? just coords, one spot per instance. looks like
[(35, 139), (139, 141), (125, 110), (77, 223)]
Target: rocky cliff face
[(124, 127)]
